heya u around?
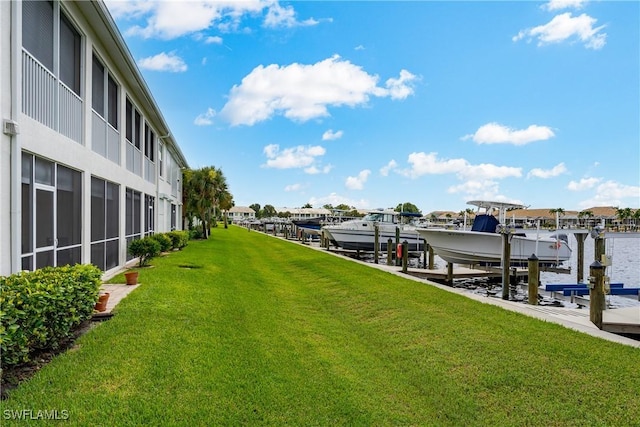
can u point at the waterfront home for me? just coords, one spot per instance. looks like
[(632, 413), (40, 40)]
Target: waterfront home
[(241, 213), (87, 160)]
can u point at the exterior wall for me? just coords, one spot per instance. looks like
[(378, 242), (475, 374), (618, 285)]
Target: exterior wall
[(5, 140), (98, 36)]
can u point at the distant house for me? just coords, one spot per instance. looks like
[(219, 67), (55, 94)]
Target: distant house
[(87, 161), (241, 213), (305, 213)]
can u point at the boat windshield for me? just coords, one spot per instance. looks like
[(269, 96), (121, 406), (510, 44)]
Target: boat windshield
[(373, 217)]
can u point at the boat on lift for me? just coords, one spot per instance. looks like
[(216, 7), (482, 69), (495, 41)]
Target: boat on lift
[(482, 245), (359, 234)]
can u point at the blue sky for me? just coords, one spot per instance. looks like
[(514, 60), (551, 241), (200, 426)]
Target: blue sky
[(373, 104)]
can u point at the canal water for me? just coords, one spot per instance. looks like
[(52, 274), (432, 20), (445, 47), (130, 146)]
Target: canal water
[(625, 265)]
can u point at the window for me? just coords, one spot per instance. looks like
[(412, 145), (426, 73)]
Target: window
[(69, 55), (105, 223), (133, 136), (51, 213), (97, 87), (149, 142), (132, 217), (105, 93), (149, 214), (37, 30), (160, 156), (51, 68)]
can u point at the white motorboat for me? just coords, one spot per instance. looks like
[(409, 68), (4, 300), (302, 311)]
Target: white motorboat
[(483, 244), (359, 234)]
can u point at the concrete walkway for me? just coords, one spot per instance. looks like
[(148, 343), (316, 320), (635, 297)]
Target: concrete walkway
[(117, 293)]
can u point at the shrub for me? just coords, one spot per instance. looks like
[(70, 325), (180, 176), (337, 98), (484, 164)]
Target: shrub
[(40, 309), (164, 240), (144, 249), (179, 239)]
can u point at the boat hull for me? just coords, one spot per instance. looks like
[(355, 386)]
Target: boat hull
[(364, 240), (469, 247)]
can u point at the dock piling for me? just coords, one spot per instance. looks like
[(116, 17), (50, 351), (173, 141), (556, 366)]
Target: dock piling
[(596, 293), (389, 251), (376, 243), (534, 279), (405, 256)]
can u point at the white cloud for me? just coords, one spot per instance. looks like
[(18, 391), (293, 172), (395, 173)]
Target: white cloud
[(284, 17), (172, 19), (330, 135), (401, 87), (163, 62), (314, 170), (302, 92), (336, 199), (583, 184), (290, 158), (478, 181), (205, 119), (293, 187), (359, 47), (384, 171), (611, 193), (357, 182), (558, 169), (564, 4), (566, 27), (429, 164), (213, 40), (495, 133)]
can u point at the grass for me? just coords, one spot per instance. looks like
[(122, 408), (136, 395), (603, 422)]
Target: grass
[(245, 329)]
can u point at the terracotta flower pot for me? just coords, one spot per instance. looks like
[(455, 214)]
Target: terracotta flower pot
[(101, 305), (132, 277)]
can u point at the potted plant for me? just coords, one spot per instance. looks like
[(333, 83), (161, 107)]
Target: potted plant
[(131, 277), (101, 305)]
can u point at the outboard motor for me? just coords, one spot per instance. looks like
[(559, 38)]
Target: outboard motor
[(560, 236)]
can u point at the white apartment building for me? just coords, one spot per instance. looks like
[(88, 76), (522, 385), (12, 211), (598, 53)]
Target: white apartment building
[(87, 161)]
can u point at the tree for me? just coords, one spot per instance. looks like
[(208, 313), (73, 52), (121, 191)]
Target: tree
[(307, 206), (269, 211), (585, 214), (256, 209), (623, 215), (328, 206), (343, 207), (407, 207), (558, 212), (203, 191)]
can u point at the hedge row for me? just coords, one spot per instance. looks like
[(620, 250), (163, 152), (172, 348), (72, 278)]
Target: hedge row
[(149, 247), (40, 309)]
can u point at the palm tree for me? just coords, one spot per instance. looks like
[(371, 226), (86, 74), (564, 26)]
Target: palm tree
[(624, 214), (585, 214), (558, 212)]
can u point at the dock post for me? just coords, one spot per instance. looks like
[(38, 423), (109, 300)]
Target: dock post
[(599, 246), (389, 251), (580, 238), (506, 261), (513, 283), (405, 256), (596, 293), (398, 260), (450, 273), (425, 253), (376, 243), (431, 257), (534, 279)]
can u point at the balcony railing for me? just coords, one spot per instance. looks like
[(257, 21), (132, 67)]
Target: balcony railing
[(49, 101)]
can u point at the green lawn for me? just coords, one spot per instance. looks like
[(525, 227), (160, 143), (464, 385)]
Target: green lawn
[(247, 329)]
